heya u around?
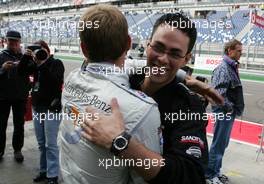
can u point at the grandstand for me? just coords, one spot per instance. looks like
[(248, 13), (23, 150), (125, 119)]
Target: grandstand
[(57, 22)]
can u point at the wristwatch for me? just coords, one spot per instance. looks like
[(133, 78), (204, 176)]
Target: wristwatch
[(120, 143)]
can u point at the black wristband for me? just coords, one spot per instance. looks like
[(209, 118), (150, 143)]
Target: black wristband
[(120, 143)]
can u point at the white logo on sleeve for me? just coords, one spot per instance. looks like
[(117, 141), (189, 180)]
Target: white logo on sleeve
[(194, 151)]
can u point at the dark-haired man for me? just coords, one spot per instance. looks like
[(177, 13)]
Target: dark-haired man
[(185, 144)]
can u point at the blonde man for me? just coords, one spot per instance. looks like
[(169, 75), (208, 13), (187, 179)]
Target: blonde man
[(104, 42)]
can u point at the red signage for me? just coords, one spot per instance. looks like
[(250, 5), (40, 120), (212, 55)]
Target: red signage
[(257, 20), (213, 61)]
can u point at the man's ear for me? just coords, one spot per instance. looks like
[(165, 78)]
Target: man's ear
[(229, 52), (129, 43), (188, 57), (148, 41), (147, 48), (84, 49)]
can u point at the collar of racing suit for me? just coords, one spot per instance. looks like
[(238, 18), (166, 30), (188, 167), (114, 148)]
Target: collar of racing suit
[(110, 71)]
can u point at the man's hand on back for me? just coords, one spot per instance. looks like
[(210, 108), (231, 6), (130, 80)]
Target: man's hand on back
[(102, 129)]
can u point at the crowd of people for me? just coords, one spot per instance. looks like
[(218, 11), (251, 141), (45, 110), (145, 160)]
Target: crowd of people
[(132, 119)]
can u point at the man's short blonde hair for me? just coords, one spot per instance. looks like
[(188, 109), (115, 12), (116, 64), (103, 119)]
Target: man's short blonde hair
[(107, 40)]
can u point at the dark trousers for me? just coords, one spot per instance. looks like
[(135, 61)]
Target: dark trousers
[(18, 108)]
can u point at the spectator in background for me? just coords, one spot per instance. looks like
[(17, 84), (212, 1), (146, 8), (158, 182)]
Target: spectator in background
[(227, 82), (141, 50), (2, 42), (46, 101), (13, 94)]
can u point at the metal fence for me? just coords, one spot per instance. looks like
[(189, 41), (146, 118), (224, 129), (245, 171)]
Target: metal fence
[(252, 57)]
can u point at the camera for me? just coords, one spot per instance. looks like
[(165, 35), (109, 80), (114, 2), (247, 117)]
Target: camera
[(40, 53), (202, 79), (188, 70)]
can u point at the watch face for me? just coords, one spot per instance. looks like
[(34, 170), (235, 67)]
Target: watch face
[(120, 143)]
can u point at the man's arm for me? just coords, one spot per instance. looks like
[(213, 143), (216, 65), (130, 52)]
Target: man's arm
[(5, 65), (181, 76), (221, 82), (26, 65), (171, 169), (138, 151), (103, 130), (201, 88)]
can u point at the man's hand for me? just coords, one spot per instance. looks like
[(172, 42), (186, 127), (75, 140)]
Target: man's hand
[(8, 65), (102, 129), (203, 89), (29, 52)]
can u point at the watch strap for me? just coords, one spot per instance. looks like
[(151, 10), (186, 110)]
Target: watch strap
[(113, 149)]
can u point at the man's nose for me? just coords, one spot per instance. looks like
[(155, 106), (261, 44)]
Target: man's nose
[(163, 59)]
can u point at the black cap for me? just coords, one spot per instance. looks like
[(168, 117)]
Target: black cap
[(14, 35)]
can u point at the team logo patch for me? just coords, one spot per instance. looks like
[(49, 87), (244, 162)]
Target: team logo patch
[(73, 137), (138, 93), (195, 151), (192, 139)]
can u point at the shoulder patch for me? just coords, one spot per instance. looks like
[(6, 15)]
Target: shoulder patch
[(140, 93)]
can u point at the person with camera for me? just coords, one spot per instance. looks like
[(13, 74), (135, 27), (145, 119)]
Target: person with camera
[(141, 50), (13, 94), (48, 75)]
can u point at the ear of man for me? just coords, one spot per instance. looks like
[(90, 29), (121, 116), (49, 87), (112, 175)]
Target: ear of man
[(84, 49), (229, 52), (188, 57), (147, 49), (129, 43)]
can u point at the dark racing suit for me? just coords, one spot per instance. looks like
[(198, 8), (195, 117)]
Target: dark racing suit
[(185, 146)]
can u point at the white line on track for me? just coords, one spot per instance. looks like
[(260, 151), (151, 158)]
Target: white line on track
[(246, 80), (248, 94), (237, 141)]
